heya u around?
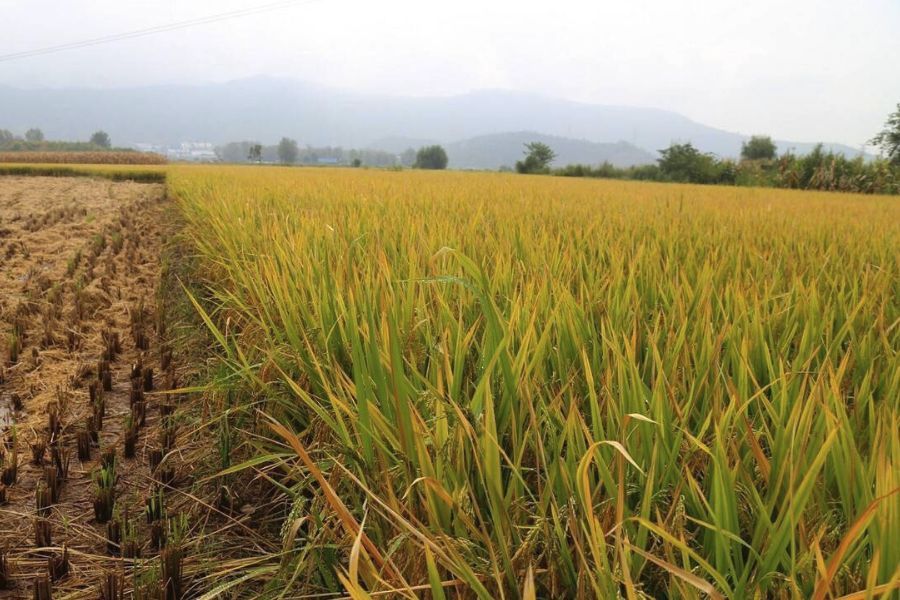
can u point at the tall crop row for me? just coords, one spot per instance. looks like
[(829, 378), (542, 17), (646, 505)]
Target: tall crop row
[(495, 386), (141, 173), (83, 158)]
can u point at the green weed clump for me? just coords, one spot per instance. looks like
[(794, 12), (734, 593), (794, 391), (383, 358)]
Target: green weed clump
[(487, 386), (104, 485)]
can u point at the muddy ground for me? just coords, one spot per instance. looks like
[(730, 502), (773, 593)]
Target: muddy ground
[(79, 267)]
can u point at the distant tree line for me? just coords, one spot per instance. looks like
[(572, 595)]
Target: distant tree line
[(818, 170), (760, 166), (34, 141), (288, 151)]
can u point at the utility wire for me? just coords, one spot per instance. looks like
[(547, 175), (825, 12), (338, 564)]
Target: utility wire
[(235, 14)]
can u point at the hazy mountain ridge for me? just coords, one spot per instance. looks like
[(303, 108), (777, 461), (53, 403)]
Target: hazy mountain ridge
[(494, 150), (503, 149), (266, 109)]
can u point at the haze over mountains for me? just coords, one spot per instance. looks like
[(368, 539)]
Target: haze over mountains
[(495, 150), (480, 130)]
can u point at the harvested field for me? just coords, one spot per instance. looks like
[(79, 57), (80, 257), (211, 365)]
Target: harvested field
[(83, 158), (79, 265)]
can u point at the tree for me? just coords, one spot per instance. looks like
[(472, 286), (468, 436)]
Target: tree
[(234, 152), (431, 157), (255, 154), (408, 157), (683, 162), (34, 135), (101, 138), (357, 163), (889, 138), (538, 157), (288, 151), (6, 137), (758, 147)]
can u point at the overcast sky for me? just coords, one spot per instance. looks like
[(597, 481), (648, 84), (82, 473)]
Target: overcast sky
[(804, 70)]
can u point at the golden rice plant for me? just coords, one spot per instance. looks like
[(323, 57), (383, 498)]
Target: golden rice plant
[(488, 385)]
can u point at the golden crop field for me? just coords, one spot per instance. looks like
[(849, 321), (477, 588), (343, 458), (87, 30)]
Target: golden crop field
[(498, 386)]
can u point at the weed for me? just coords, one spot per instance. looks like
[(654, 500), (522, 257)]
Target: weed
[(104, 480)]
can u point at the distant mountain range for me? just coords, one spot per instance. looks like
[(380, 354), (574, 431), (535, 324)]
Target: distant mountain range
[(480, 130), (503, 149), (495, 150)]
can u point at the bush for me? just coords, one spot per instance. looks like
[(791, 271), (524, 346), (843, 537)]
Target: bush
[(531, 165), (609, 171), (726, 172)]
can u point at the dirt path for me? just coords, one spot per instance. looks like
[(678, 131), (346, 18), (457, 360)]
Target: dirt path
[(79, 267)]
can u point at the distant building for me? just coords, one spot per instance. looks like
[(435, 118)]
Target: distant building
[(144, 147), (327, 160), (193, 152)]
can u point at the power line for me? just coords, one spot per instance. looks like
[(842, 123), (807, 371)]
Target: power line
[(235, 14)]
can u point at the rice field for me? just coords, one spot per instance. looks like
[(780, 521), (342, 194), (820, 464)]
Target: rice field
[(494, 386)]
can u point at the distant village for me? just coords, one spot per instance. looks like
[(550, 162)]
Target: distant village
[(186, 151)]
